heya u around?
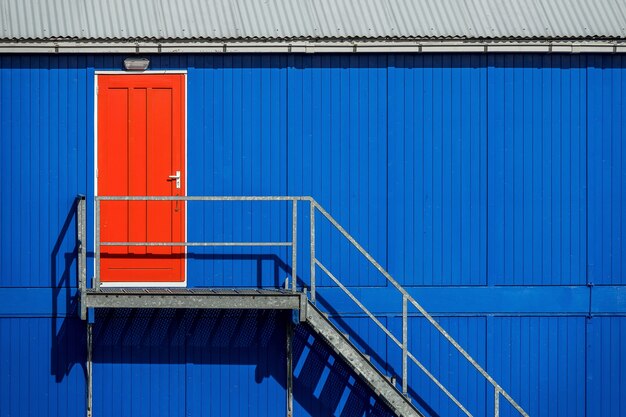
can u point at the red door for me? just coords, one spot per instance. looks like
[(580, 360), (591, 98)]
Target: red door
[(141, 143)]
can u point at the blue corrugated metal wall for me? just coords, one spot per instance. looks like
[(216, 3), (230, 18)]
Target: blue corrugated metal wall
[(490, 185)]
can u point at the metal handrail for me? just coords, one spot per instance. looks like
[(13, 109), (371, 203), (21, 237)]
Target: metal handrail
[(294, 228), (314, 263), (401, 345), (498, 390)]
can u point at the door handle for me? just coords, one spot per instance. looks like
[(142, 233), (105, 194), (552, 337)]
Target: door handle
[(176, 177)]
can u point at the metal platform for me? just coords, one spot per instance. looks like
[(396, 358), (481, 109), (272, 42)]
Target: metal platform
[(203, 298)]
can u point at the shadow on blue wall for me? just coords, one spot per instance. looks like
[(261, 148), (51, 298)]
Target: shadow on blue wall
[(68, 332), (323, 384), (278, 266), (376, 358)]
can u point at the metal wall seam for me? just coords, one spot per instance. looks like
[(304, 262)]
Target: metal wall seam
[(606, 118)]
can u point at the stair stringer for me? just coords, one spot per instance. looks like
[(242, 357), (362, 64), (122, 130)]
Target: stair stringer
[(357, 361)]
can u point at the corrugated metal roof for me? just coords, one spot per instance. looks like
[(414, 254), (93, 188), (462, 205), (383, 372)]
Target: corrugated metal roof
[(311, 19)]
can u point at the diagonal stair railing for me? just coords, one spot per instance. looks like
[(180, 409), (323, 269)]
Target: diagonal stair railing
[(315, 208), (407, 300)]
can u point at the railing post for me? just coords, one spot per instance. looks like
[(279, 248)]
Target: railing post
[(405, 340), (496, 401), (289, 350), (96, 283), (81, 216), (294, 244), (312, 252)]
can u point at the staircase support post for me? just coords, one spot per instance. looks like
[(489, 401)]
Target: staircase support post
[(289, 354), (89, 366), (405, 337), (496, 402)]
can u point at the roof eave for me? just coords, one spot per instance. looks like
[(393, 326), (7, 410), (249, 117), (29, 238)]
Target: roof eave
[(155, 46)]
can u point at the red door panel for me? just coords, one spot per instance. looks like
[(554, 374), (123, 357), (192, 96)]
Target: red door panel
[(141, 142)]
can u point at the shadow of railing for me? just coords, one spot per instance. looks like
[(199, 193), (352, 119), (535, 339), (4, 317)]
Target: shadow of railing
[(324, 385), (280, 269), (224, 341), (67, 331), (384, 364)]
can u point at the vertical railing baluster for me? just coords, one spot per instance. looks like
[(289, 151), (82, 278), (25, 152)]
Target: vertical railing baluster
[(289, 351), (312, 252), (97, 247), (405, 341), (496, 401), (294, 244)]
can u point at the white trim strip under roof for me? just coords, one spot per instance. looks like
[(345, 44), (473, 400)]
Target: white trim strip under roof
[(589, 46)]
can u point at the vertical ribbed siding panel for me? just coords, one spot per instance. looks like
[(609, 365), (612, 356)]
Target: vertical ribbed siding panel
[(43, 146), (23, 189), (337, 153), (237, 146), (139, 362), (552, 349), (607, 169), (5, 168), (41, 369), (606, 375), (444, 362), (18, 81), (59, 158), (537, 170), (437, 169), (235, 363)]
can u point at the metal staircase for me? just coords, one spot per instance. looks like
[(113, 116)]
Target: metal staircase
[(360, 364), (293, 298)]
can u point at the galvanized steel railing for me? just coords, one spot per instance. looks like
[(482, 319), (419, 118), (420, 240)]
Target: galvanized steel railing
[(294, 229), (407, 299)]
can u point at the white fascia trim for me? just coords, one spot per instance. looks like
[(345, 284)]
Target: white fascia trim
[(449, 46)]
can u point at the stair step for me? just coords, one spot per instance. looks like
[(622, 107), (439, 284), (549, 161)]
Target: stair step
[(391, 379), (385, 387)]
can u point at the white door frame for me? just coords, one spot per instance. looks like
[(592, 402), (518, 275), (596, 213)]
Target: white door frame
[(95, 174)]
